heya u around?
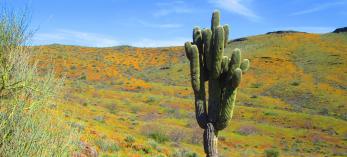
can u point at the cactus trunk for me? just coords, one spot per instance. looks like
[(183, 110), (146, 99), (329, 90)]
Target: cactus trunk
[(210, 141), (207, 63)]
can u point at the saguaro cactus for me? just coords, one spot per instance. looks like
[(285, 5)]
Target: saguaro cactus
[(207, 63)]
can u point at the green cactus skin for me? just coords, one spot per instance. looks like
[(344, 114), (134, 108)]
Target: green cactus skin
[(224, 75)]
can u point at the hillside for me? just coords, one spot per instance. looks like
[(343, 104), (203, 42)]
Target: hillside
[(138, 101)]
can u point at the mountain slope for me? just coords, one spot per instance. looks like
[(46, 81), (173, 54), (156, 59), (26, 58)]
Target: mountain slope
[(138, 101)]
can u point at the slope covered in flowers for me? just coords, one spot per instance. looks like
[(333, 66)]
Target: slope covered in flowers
[(130, 101)]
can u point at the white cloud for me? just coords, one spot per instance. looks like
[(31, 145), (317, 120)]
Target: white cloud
[(172, 7), (319, 7), (146, 42), (309, 29), (153, 25), (236, 6), (72, 37)]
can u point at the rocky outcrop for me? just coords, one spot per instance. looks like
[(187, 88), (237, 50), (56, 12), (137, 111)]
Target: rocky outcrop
[(239, 39), (283, 32), (86, 151), (340, 30)]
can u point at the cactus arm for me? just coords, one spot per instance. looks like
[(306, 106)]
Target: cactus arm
[(225, 64), (199, 91), (226, 35), (217, 54), (187, 47), (236, 79), (215, 20), (244, 65), (197, 39), (228, 100), (194, 68), (236, 59), (207, 41)]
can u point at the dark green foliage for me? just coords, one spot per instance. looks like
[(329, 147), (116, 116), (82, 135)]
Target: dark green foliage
[(107, 145), (271, 153), (159, 137), (129, 139), (295, 83), (184, 153), (256, 85)]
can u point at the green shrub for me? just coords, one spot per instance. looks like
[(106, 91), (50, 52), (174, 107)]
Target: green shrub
[(27, 127), (184, 153), (151, 100), (159, 137), (107, 145), (256, 85), (129, 139), (295, 83), (271, 153), (270, 113), (154, 145)]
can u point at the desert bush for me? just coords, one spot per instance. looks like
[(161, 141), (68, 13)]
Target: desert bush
[(159, 137), (271, 153), (129, 139), (27, 127), (270, 113), (107, 145), (256, 85), (177, 135), (295, 83), (154, 145), (151, 100), (155, 132), (184, 153), (78, 126), (324, 112), (100, 119), (112, 108), (247, 130)]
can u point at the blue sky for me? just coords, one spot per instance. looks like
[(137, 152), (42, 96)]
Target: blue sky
[(152, 23)]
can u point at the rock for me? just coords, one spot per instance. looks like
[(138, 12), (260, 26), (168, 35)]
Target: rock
[(340, 30), (254, 96), (284, 32), (239, 39), (86, 151)]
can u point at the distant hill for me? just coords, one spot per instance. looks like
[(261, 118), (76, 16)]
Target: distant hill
[(139, 101)]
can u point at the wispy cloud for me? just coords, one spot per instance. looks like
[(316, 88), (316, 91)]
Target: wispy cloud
[(319, 7), (64, 36), (147, 42), (154, 25), (172, 7), (309, 29), (236, 6), (71, 37)]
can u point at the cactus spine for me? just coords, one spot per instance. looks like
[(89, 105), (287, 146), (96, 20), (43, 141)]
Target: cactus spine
[(224, 74)]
